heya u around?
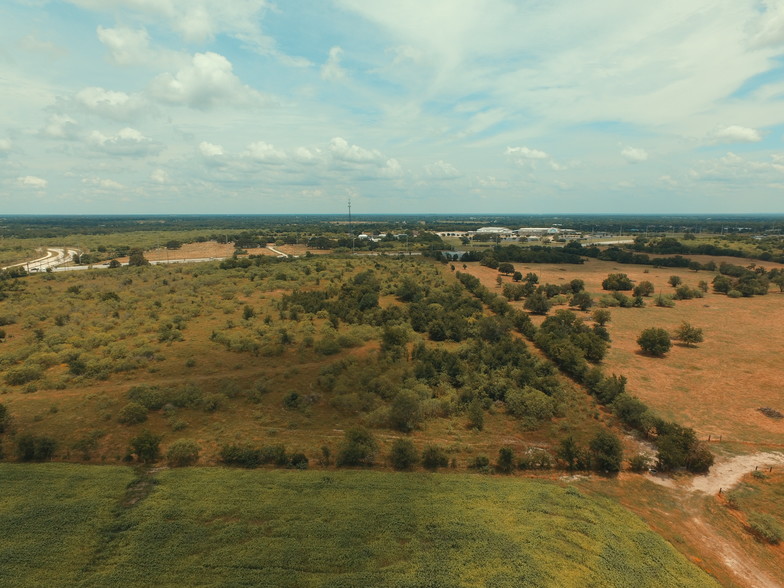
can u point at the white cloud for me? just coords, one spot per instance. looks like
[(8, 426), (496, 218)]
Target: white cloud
[(737, 134), (769, 28), (441, 170), (343, 151), (524, 153), (34, 45), (60, 126), (32, 182), (634, 154), (332, 70), (103, 183), (196, 20), (210, 149), (208, 81), (159, 176), (127, 141), (306, 156), (126, 46), (110, 104), (392, 169), (262, 152), (5, 147)]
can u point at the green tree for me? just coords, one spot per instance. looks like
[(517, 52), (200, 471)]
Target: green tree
[(132, 413), (570, 453), (644, 288), (617, 282), (606, 452), (31, 447), (537, 303), (654, 341), (688, 334), (476, 415), (146, 446), (359, 448), (434, 457), (5, 417), (136, 258), (405, 414), (674, 281), (601, 316), (581, 300), (403, 455), (506, 268), (505, 463), (183, 452)]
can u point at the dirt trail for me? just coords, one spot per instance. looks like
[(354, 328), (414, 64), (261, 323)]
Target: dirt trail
[(746, 572), (726, 474)]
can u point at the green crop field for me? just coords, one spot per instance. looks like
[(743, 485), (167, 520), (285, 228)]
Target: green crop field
[(91, 526)]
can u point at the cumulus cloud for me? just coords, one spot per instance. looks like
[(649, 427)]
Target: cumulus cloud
[(103, 183), (126, 46), (262, 152), (341, 150), (531, 158), (441, 170), (210, 149), (206, 82), (127, 141), (306, 156), (737, 134), (634, 154), (110, 104), (60, 126), (159, 176), (5, 147), (196, 20), (332, 70), (32, 182), (391, 169)]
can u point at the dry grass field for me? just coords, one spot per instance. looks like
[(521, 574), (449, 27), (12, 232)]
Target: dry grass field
[(715, 387)]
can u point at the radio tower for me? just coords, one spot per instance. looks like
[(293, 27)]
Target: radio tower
[(350, 226)]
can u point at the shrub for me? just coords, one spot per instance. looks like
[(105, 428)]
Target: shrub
[(617, 282), (654, 341), (183, 452), (765, 527), (606, 452), (5, 418), (146, 447), (132, 413), (298, 461), (358, 449), (31, 447), (274, 454), (239, 455), (405, 414), (149, 397), (535, 459), (480, 462), (639, 463), (403, 455), (22, 375), (505, 463), (688, 334), (434, 457)]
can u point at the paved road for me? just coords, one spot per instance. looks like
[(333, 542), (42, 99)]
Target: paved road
[(55, 256)]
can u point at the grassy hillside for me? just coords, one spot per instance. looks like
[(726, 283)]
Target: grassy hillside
[(273, 528)]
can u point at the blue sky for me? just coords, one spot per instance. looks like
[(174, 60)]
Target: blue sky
[(231, 106)]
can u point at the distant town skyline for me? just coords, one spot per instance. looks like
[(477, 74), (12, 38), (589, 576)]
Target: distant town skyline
[(480, 106)]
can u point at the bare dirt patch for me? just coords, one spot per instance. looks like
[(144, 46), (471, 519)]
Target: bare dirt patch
[(208, 249)]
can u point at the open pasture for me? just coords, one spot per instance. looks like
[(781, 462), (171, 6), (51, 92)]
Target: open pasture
[(715, 387)]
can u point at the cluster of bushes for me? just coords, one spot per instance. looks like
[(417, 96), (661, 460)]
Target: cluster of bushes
[(736, 281), (515, 253), (571, 343), (247, 456), (678, 446)]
